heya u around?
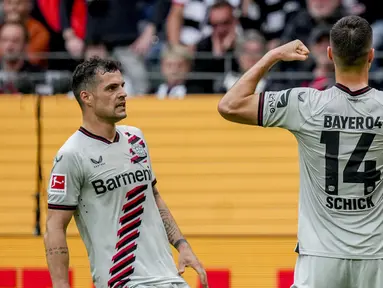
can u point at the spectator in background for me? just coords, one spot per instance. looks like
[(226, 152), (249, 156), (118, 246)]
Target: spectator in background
[(249, 50), (19, 10), (269, 17), (176, 63), (323, 73), (324, 12), (73, 24), (187, 21), (220, 43), (18, 74), (112, 31)]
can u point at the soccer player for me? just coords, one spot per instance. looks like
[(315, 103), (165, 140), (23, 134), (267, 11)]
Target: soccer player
[(340, 141), (103, 176)]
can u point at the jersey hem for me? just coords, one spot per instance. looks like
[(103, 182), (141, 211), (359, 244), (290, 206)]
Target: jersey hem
[(61, 207), (340, 256)]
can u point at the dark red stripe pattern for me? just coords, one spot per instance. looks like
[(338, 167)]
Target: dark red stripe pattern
[(130, 221), (133, 139), (61, 207), (260, 108)]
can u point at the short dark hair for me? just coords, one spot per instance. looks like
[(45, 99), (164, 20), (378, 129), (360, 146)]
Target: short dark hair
[(351, 40), (21, 25), (85, 73)]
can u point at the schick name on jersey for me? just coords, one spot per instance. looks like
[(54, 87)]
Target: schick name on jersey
[(101, 186), (345, 122), (347, 204)]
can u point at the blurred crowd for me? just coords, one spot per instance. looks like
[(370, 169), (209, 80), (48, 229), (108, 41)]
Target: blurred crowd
[(170, 48)]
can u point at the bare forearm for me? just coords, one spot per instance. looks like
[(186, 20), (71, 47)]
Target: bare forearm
[(172, 230), (173, 27), (57, 255), (240, 103)]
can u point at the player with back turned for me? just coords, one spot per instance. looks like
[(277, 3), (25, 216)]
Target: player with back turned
[(103, 176), (340, 140)]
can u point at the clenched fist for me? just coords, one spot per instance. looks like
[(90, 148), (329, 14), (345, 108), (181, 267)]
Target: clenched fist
[(292, 51)]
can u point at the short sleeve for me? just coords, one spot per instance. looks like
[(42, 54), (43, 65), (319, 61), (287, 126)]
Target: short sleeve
[(285, 109), (65, 182)]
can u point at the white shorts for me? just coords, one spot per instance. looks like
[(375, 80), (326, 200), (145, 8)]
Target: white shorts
[(324, 272)]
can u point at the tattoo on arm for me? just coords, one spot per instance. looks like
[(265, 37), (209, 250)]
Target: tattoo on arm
[(170, 224), (172, 230), (56, 251)]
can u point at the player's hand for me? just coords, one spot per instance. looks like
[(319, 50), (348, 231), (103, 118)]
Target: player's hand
[(188, 259), (75, 46), (292, 51)]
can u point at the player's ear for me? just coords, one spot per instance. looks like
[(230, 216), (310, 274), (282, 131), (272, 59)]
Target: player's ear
[(86, 98), (329, 53), (371, 55)]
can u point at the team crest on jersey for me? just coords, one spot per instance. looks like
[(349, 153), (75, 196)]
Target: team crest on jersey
[(139, 150)]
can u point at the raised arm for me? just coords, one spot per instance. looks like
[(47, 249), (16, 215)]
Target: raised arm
[(240, 103), (176, 238), (174, 22), (56, 247)]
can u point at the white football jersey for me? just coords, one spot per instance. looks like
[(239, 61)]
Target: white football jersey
[(110, 187), (340, 142)]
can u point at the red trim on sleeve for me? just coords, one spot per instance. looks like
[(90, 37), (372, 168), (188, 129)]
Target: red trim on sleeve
[(61, 207), (154, 182), (260, 108)]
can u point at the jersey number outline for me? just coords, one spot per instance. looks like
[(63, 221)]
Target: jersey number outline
[(350, 173)]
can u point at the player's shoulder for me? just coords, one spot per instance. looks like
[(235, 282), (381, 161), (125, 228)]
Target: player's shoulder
[(130, 130), (377, 95), (72, 147)]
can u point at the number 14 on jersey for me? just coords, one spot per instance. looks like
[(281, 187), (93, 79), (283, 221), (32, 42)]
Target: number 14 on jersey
[(351, 173)]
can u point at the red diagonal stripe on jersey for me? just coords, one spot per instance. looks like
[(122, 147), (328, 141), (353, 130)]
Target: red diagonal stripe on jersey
[(131, 151), (135, 189), (119, 276), (128, 226), (145, 161), (132, 202), (131, 213), (127, 248), (134, 158), (122, 282), (130, 235), (118, 265), (131, 139)]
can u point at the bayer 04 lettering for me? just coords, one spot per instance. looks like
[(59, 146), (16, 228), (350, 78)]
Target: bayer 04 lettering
[(351, 172)]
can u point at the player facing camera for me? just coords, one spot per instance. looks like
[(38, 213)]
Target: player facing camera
[(103, 176), (98, 86)]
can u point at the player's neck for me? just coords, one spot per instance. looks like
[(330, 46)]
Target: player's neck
[(353, 80), (100, 128)]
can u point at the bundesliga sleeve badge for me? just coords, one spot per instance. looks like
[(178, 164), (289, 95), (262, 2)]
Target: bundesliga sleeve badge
[(57, 184)]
